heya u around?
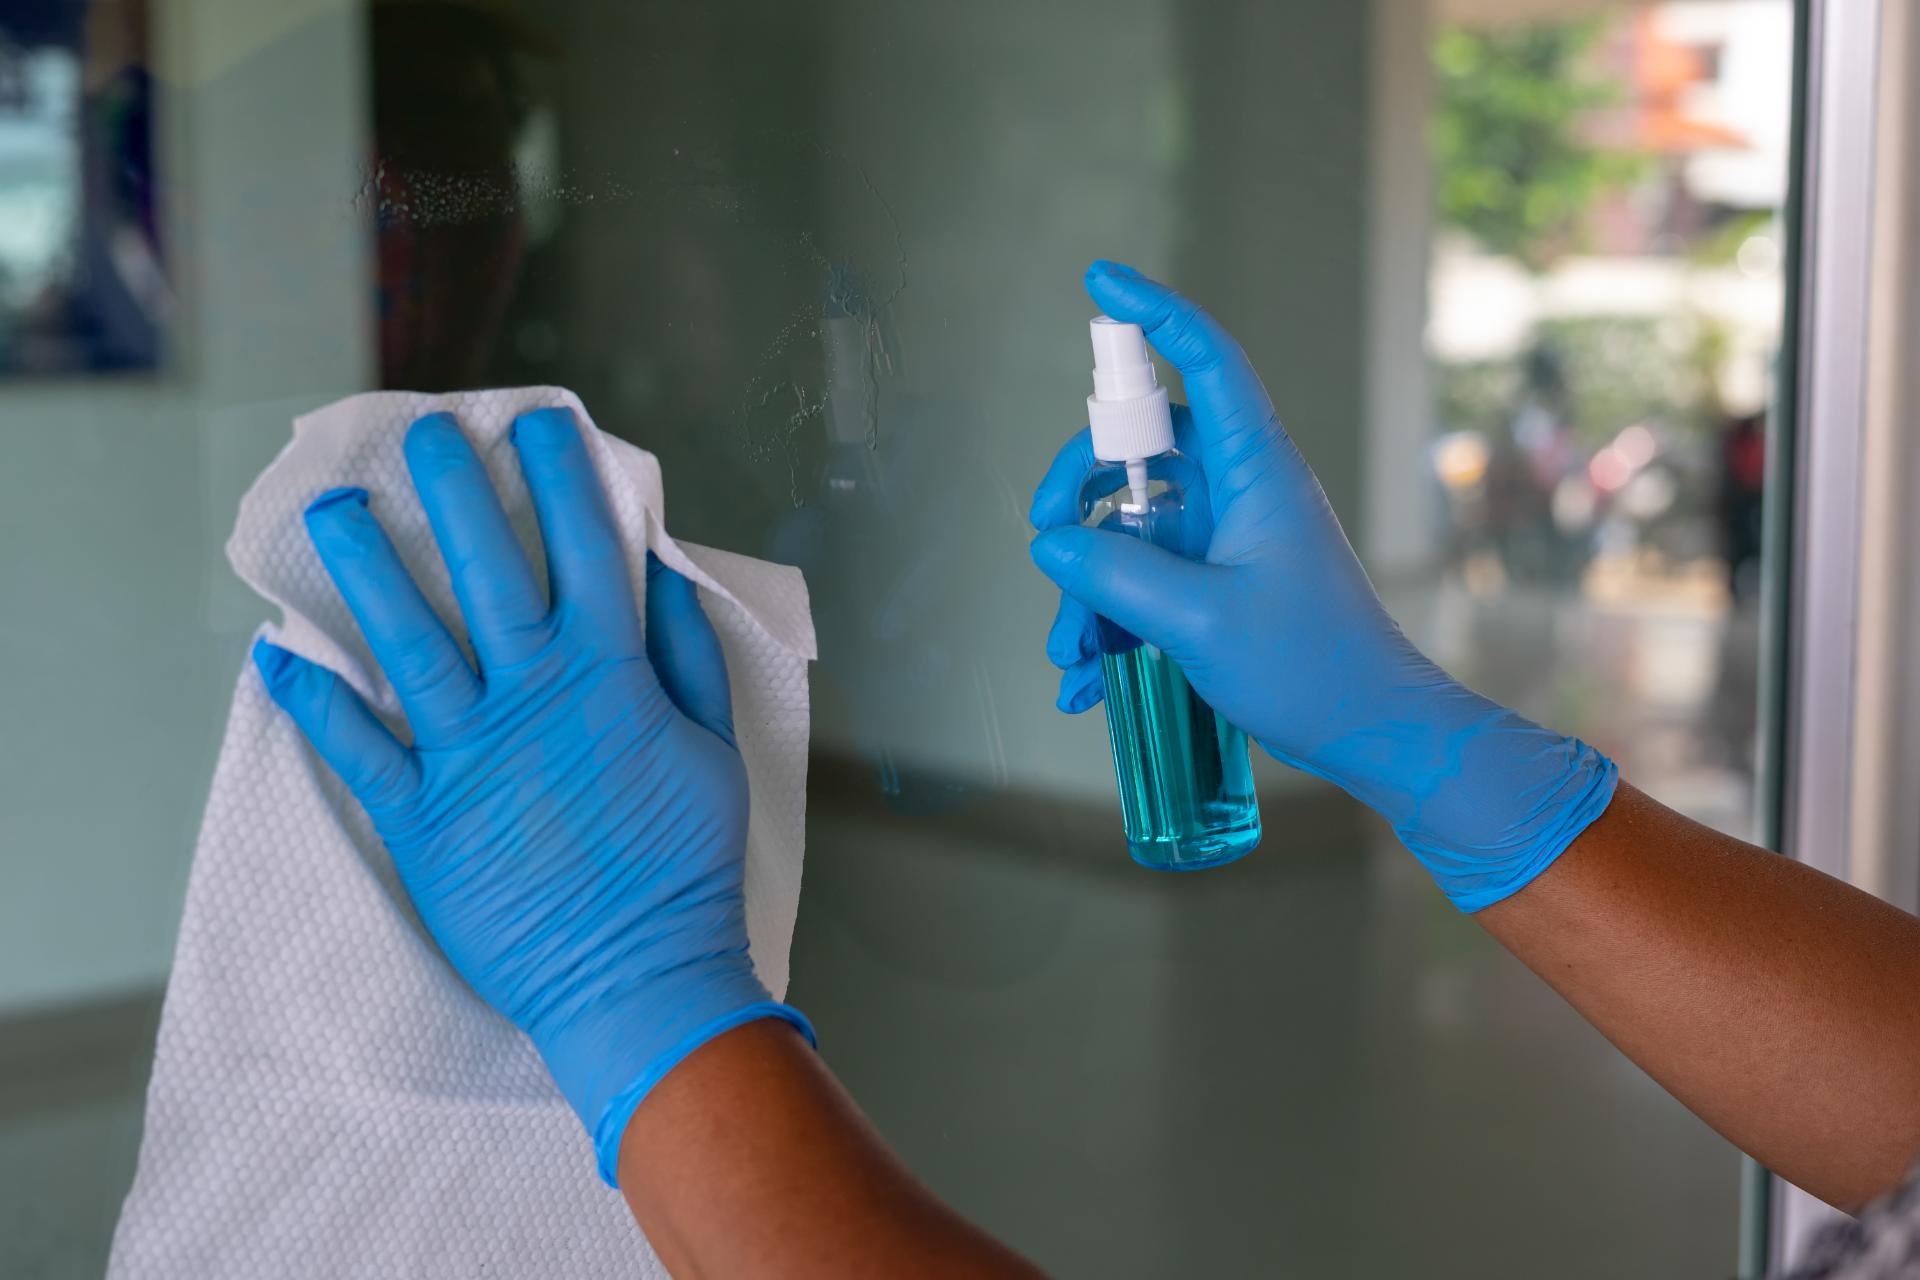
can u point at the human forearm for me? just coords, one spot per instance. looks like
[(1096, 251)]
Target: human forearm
[(1780, 1005), (749, 1159)]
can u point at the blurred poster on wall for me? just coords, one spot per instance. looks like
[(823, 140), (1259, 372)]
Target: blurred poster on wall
[(83, 283)]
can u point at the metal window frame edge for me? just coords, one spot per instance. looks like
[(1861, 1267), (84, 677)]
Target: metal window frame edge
[(1819, 449)]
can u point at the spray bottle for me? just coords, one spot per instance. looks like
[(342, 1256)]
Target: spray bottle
[(1186, 784)]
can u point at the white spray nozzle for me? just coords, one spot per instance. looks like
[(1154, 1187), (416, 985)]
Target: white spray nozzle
[(1122, 369), (1128, 413)]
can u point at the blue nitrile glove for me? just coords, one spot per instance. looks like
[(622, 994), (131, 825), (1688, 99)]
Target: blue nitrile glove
[(571, 819), (1281, 632)]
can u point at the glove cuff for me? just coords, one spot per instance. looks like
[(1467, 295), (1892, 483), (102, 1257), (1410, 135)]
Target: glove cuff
[(1508, 800), (611, 1127), (1479, 878), (609, 1055), (1483, 797)]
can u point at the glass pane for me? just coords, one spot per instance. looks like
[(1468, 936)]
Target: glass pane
[(1601, 341), (1511, 269)]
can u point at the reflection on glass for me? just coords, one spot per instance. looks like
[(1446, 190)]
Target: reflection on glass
[(82, 286)]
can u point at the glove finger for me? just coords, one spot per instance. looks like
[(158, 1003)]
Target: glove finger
[(1147, 590), (686, 653), (1057, 500), (1074, 634), (498, 594), (349, 737), (586, 565), (1081, 687), (408, 639)]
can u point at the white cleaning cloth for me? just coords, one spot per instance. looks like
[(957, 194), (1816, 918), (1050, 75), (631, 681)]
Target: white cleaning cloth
[(328, 1098)]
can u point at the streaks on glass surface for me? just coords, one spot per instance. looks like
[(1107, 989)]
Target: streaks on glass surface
[(847, 325), (430, 197), (813, 377)]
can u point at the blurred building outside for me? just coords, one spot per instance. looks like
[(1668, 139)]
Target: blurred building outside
[(1605, 303)]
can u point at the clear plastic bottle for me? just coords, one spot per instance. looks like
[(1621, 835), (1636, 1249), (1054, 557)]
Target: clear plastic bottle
[(1186, 784)]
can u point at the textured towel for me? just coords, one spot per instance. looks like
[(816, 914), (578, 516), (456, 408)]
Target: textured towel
[(328, 1097)]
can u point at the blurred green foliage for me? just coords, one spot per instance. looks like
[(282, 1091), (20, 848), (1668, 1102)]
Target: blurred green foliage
[(1719, 246), (1619, 370), (1476, 395), (1513, 169)]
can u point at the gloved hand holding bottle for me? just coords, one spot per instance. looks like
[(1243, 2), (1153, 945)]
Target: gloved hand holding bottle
[(570, 818), (1280, 631)]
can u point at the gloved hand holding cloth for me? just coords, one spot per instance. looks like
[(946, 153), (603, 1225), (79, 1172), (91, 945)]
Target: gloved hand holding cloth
[(570, 817)]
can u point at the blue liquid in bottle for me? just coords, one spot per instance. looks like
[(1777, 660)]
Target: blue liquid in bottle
[(1186, 783)]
